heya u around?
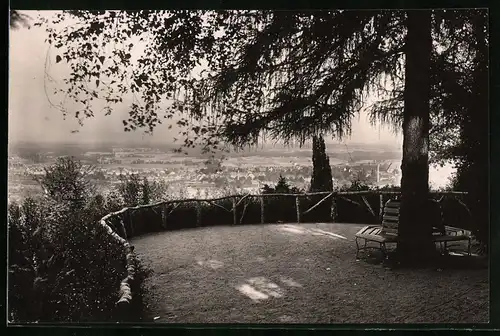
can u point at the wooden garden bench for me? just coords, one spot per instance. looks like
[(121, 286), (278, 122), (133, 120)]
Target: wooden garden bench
[(388, 231)]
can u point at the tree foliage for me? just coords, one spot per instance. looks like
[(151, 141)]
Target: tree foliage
[(472, 172), (454, 84), (281, 187), (18, 19), (133, 191), (265, 71), (67, 181), (239, 76)]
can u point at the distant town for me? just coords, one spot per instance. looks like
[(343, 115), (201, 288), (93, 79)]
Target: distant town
[(201, 175)]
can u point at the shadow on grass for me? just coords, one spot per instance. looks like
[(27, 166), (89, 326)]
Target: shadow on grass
[(441, 262), (462, 262), (451, 261)]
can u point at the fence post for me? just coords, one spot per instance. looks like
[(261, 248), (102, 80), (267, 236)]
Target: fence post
[(164, 216), (122, 226), (198, 214), (128, 216), (261, 209), (235, 220), (243, 212), (297, 207), (333, 209), (381, 207)]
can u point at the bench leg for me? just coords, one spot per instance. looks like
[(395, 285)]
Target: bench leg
[(384, 250)]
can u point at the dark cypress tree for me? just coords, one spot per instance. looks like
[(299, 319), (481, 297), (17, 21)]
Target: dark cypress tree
[(146, 192), (322, 172)]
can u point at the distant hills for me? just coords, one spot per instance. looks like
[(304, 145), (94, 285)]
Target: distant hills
[(358, 151)]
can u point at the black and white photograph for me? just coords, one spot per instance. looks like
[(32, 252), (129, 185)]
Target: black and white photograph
[(289, 167)]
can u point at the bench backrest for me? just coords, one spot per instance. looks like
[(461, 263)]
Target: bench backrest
[(390, 219)]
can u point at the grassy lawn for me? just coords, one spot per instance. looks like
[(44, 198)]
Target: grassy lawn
[(296, 273)]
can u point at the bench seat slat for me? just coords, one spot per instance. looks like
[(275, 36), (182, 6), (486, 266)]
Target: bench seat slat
[(455, 230), (379, 238), (372, 229), (448, 238), (378, 235)]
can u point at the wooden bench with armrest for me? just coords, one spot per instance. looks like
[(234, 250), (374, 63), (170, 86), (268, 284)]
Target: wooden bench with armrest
[(388, 231)]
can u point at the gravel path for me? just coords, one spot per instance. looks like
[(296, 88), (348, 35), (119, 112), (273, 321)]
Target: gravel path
[(296, 273)]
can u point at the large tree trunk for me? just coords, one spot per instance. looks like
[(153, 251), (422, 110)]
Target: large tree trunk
[(415, 229)]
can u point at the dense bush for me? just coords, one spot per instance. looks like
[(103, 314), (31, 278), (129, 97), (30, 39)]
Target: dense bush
[(63, 265)]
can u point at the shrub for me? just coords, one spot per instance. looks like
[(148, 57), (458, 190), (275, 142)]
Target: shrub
[(114, 201), (130, 190), (282, 187), (67, 180), (63, 265), (133, 191)]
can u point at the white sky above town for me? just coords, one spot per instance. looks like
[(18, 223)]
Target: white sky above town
[(31, 118)]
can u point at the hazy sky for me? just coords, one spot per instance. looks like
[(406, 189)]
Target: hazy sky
[(32, 118)]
